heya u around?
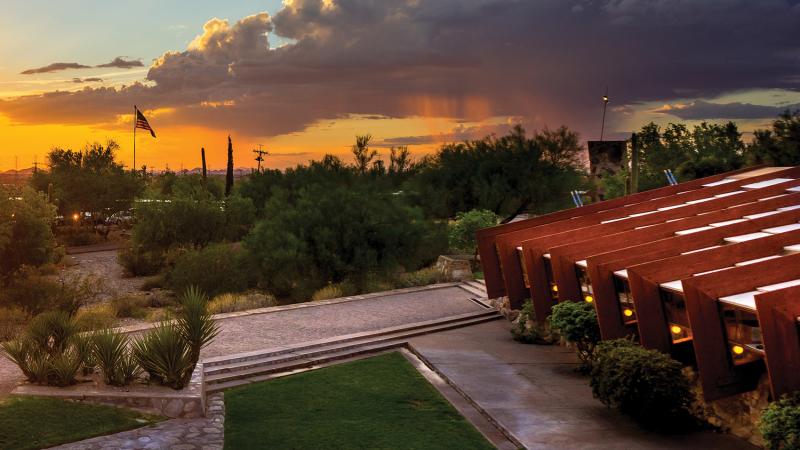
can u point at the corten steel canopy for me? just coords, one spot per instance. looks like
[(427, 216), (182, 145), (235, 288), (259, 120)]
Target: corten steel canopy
[(486, 237), (564, 257), (534, 250), (719, 375), (778, 313), (643, 214), (602, 267), (656, 266), (646, 279)]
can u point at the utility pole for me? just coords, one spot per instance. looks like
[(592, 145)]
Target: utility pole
[(634, 188), (605, 105), (261, 153), (35, 164)]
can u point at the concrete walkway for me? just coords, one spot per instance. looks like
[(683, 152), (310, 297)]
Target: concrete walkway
[(534, 393)]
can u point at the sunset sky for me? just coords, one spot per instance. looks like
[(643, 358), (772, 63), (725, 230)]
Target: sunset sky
[(303, 77)]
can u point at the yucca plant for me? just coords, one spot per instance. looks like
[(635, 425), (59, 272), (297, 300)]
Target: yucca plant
[(64, 366), (19, 351), (165, 355), (84, 344), (128, 369), (52, 331), (109, 350), (196, 325)]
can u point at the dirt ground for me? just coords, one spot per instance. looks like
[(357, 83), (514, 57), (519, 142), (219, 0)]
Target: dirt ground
[(104, 266)]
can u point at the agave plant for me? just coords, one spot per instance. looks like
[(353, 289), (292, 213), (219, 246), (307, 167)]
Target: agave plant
[(165, 356), (196, 325)]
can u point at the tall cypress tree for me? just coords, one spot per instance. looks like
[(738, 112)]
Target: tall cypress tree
[(203, 156), (229, 174)]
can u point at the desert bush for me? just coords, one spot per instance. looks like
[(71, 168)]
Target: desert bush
[(527, 330), (77, 236), (225, 303), (26, 236), (646, 384), (461, 232), (96, 317), (140, 262), (164, 355), (216, 269), (154, 282), (36, 294), (328, 292), (240, 215), (12, 321), (780, 423), (421, 277), (576, 322), (131, 306), (182, 221), (113, 357)]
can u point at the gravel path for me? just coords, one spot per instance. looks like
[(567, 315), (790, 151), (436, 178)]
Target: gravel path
[(207, 433), (247, 333)]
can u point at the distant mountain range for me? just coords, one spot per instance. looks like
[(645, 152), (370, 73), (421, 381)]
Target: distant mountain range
[(16, 176)]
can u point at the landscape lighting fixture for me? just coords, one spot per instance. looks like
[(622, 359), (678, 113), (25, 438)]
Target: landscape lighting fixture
[(675, 329), (738, 349), (75, 217), (589, 299), (628, 312)]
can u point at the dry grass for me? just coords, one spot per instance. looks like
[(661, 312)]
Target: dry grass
[(96, 317), (328, 292), (225, 303)]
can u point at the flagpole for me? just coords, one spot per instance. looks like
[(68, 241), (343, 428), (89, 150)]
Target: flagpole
[(134, 139)]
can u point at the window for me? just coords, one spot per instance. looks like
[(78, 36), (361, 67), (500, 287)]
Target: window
[(676, 316), (744, 334)]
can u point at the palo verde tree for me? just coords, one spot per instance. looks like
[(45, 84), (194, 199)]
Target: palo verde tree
[(26, 237), (88, 180), (779, 146)]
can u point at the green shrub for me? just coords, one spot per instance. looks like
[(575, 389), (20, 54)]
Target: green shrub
[(328, 292), (226, 303), (12, 321), (77, 236), (461, 232), (139, 262), (26, 236), (64, 367), (780, 423), (111, 353), (164, 355), (132, 306), (646, 384), (527, 330), (576, 322), (216, 269)]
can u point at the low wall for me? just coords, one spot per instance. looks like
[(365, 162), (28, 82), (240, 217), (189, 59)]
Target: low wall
[(187, 403), (455, 267)]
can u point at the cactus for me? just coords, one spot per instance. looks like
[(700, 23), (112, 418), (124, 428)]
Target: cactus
[(229, 173)]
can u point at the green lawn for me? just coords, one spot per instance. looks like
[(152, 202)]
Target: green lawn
[(376, 403), (38, 422)]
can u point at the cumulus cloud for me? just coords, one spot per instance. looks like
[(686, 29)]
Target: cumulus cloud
[(703, 110), (55, 67), (464, 59), (122, 63)]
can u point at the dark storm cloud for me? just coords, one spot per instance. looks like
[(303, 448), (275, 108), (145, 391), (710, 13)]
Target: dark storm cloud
[(121, 63), (55, 67), (549, 60), (703, 110)]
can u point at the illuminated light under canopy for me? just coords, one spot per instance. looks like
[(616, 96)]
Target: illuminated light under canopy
[(675, 329), (554, 288), (738, 349), (589, 299), (628, 312)]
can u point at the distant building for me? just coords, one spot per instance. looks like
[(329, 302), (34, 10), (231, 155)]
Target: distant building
[(708, 271)]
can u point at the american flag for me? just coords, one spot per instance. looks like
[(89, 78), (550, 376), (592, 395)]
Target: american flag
[(141, 122)]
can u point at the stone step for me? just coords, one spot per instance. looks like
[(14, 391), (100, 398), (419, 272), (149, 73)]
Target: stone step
[(221, 386), (247, 370), (474, 290), (362, 336), (342, 346)]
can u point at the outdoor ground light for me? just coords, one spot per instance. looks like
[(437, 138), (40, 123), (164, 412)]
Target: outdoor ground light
[(589, 299)]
